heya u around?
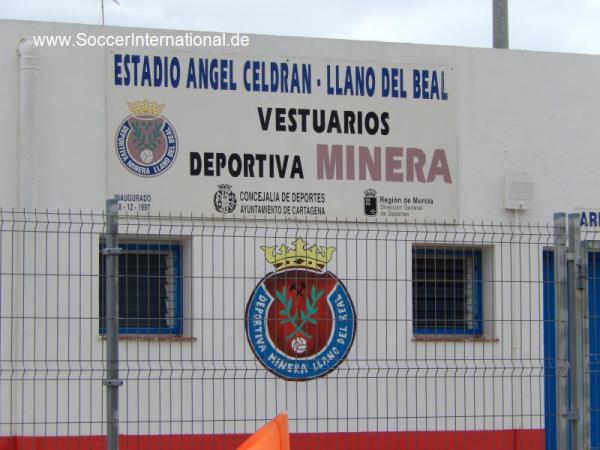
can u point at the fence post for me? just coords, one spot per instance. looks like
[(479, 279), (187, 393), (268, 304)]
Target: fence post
[(561, 331), (577, 286), (112, 381), (584, 300)]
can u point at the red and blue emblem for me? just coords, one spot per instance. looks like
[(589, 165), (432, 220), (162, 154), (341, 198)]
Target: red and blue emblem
[(300, 320), (146, 142)]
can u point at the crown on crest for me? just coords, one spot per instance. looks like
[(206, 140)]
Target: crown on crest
[(298, 255), (145, 108)]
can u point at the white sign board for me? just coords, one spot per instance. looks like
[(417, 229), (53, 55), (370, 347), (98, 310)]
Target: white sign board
[(281, 137)]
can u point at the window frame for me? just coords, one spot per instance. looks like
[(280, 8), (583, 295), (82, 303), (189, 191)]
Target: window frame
[(477, 253), (135, 246)]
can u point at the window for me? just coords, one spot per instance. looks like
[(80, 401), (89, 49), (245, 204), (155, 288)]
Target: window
[(149, 289), (447, 291)]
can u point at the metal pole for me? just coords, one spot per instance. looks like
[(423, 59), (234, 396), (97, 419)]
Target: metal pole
[(585, 431), (500, 19), (112, 381), (577, 282), (561, 333)]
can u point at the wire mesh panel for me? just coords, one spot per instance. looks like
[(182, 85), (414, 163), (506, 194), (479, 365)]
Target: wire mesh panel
[(370, 335)]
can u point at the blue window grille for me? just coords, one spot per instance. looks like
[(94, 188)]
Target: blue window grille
[(150, 291), (447, 290)]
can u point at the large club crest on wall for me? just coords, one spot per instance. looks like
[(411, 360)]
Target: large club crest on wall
[(300, 320)]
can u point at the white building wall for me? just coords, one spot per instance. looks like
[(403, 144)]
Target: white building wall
[(523, 111)]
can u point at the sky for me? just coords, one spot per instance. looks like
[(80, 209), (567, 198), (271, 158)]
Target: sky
[(547, 25)]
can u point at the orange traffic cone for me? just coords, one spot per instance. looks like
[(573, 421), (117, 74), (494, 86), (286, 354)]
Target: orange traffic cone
[(273, 436)]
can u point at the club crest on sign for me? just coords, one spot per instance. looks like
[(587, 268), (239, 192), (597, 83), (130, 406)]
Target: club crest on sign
[(146, 142), (300, 320)]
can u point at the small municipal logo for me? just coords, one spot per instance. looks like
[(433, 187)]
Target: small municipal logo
[(370, 202), (224, 199), (300, 320), (146, 142)]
